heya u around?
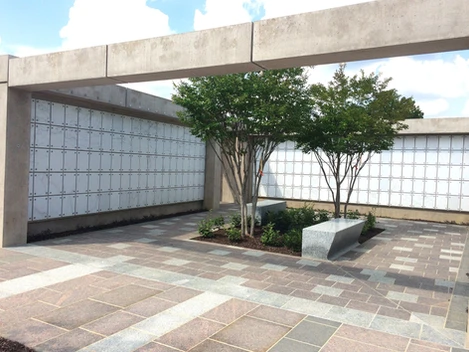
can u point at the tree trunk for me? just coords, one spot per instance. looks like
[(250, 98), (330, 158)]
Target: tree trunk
[(337, 201)]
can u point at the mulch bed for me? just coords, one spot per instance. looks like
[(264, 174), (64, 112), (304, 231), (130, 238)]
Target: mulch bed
[(255, 242), (12, 346)]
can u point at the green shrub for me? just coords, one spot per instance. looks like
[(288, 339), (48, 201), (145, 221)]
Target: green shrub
[(354, 215), (323, 216), (234, 234), (219, 221), (206, 228), (271, 237), (293, 240), (235, 220), (302, 217), (369, 223), (281, 220)]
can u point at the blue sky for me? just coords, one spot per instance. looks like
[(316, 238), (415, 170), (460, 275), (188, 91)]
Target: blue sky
[(439, 82)]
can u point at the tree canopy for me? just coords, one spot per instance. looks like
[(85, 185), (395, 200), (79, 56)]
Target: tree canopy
[(353, 118), (245, 117)]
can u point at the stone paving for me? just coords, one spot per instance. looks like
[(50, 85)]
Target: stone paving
[(148, 287)]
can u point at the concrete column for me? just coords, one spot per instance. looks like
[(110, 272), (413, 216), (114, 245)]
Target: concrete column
[(15, 125), (213, 176)]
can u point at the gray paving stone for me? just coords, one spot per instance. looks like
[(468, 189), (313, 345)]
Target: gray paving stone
[(149, 226), (428, 237), (219, 252), (400, 296), (308, 262), (350, 316), (274, 267), (402, 267), (421, 245), (452, 251), (176, 262), (254, 253), (323, 321), (449, 257), (313, 333), (305, 306), (145, 240), (396, 326), (402, 249), (444, 283), (411, 239), (234, 266), (120, 246), (156, 232), (232, 280), (167, 223), (127, 340), (168, 249), (406, 260), (289, 345), (343, 279), (188, 229), (269, 298), (435, 335), (326, 290)]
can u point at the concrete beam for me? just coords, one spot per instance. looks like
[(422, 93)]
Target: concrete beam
[(76, 68), (459, 125), (365, 31), (4, 68), (210, 52), (15, 125)]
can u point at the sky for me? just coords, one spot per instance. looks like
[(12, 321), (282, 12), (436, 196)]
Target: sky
[(438, 82)]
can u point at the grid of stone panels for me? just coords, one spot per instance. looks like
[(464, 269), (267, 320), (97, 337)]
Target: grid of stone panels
[(87, 161), (430, 172)]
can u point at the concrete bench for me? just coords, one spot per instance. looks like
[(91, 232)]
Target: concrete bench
[(330, 239), (265, 206)]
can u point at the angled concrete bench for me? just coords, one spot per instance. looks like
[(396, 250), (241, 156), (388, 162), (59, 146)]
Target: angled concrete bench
[(331, 239), (265, 206)]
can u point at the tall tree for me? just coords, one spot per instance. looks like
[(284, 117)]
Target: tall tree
[(353, 118), (245, 117)]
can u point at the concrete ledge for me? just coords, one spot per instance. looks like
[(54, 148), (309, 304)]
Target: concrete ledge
[(371, 30), (4, 59), (91, 221), (442, 126), (209, 52), (331, 239), (82, 67), (457, 217), (267, 206)]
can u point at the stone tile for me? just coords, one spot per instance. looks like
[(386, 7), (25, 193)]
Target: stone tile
[(155, 347), (371, 337), (343, 279), (448, 257), (307, 262), (406, 260), (77, 314), (325, 290), (126, 295), (402, 249), (234, 266), (215, 346), (69, 342), (253, 253), (444, 283), (313, 333), (112, 323), (26, 311), (31, 332), (145, 240), (431, 345), (228, 279), (178, 294), (274, 267), (244, 333), (399, 296), (289, 345), (219, 252), (176, 262), (336, 344), (230, 311), (395, 326), (402, 267), (323, 321), (168, 249), (128, 340), (70, 296), (276, 315), (120, 246), (190, 334), (150, 306), (349, 316)]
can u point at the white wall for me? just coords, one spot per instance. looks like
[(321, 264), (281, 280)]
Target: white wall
[(430, 172), (86, 161)]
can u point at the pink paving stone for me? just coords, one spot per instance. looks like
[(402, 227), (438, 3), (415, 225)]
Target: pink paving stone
[(69, 342), (277, 315), (229, 311), (338, 344), (371, 337), (31, 332), (178, 294), (150, 306)]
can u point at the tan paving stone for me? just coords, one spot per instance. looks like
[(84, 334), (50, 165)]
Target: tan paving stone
[(112, 323), (191, 334), (31, 332), (244, 333), (126, 295), (178, 294), (69, 342), (156, 347), (336, 344), (215, 346), (150, 306), (371, 337), (230, 311), (276, 315)]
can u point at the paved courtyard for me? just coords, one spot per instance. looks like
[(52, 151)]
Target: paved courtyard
[(147, 287)]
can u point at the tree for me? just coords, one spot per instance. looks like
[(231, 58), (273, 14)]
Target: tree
[(353, 118), (245, 117)]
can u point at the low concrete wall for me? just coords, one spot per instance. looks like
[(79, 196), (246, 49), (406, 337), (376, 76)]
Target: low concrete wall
[(391, 212), (110, 218)]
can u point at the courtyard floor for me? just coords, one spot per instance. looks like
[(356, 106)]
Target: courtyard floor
[(148, 287)]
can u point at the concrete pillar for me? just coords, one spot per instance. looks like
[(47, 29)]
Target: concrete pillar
[(213, 176), (15, 125)]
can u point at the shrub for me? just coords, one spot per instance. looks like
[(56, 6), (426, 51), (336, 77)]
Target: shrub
[(219, 221), (354, 215), (281, 220), (235, 220), (369, 223), (293, 240), (271, 237), (234, 234), (323, 216), (206, 228)]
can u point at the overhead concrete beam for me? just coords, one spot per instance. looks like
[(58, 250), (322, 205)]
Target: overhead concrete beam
[(75, 68), (211, 52), (457, 125), (4, 59), (371, 30)]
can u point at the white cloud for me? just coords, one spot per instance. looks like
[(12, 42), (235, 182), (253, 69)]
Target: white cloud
[(223, 13), (278, 8), (432, 108), (163, 89), (93, 22), (465, 110)]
